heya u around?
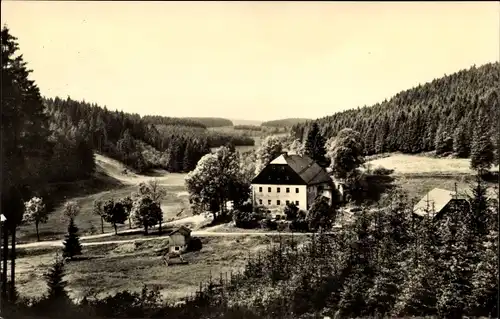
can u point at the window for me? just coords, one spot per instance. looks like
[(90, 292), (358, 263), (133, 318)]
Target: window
[(278, 190), (297, 203), (269, 189), (278, 202), (260, 189), (297, 190), (176, 248), (269, 202), (287, 202), (288, 189), (260, 201)]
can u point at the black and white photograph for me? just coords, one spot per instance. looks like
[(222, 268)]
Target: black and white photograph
[(249, 159)]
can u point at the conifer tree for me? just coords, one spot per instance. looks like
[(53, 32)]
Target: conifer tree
[(55, 280), (482, 156), (461, 144), (315, 146), (72, 246)]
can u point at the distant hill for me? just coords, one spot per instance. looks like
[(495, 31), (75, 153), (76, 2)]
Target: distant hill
[(285, 122), (211, 121), (414, 120), (245, 122)]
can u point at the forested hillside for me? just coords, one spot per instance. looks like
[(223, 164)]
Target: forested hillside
[(440, 115), (175, 144), (211, 121), (285, 122)]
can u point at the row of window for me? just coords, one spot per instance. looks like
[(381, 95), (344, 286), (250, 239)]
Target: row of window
[(278, 190), (278, 202)]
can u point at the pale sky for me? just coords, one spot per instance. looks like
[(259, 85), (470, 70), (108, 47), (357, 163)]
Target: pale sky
[(247, 60)]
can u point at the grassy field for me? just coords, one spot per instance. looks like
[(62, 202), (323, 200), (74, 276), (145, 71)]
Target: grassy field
[(114, 267), (419, 174), (88, 223), (413, 164)]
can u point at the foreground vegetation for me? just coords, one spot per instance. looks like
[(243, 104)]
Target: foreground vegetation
[(386, 263)]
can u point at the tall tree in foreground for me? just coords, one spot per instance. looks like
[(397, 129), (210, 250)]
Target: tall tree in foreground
[(315, 146), (35, 212), (345, 152), (24, 140)]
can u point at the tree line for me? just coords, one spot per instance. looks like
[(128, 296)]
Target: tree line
[(441, 115), (142, 143)]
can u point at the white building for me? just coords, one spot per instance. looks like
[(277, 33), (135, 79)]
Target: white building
[(291, 179)]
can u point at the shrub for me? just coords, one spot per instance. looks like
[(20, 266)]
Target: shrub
[(268, 223), (382, 171), (195, 244), (291, 211), (282, 225), (299, 225), (246, 220)]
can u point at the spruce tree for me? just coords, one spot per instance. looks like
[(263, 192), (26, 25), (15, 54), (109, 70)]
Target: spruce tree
[(461, 145), (55, 280), (482, 148), (315, 146), (72, 246)]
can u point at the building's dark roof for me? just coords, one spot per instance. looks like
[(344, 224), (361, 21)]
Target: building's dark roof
[(183, 230), (308, 171), (434, 202)]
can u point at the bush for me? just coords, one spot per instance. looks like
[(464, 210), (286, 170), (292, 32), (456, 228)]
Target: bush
[(246, 220), (283, 225), (194, 244), (291, 211), (268, 223), (299, 225), (382, 171)]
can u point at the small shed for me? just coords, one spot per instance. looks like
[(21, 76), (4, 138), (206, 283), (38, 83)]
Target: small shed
[(179, 239), (438, 202)]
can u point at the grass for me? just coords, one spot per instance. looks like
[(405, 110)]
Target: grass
[(418, 174), (404, 164), (115, 267), (89, 223), (119, 185)]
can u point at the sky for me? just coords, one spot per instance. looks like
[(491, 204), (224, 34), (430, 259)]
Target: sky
[(247, 60)]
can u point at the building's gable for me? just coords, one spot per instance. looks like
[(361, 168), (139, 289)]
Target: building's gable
[(278, 174)]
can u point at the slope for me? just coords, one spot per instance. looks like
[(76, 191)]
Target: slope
[(410, 121)]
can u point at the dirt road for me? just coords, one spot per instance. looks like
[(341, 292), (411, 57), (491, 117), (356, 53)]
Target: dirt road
[(59, 243)]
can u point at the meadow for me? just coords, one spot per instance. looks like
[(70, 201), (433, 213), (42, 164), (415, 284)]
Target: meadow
[(110, 268), (175, 205)]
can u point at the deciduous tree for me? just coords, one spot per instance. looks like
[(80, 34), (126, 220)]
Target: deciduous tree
[(35, 212), (345, 152)]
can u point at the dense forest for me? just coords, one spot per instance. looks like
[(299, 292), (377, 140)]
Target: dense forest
[(440, 115), (285, 122), (175, 144), (211, 121)]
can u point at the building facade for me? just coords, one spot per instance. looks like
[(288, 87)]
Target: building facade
[(290, 179)]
